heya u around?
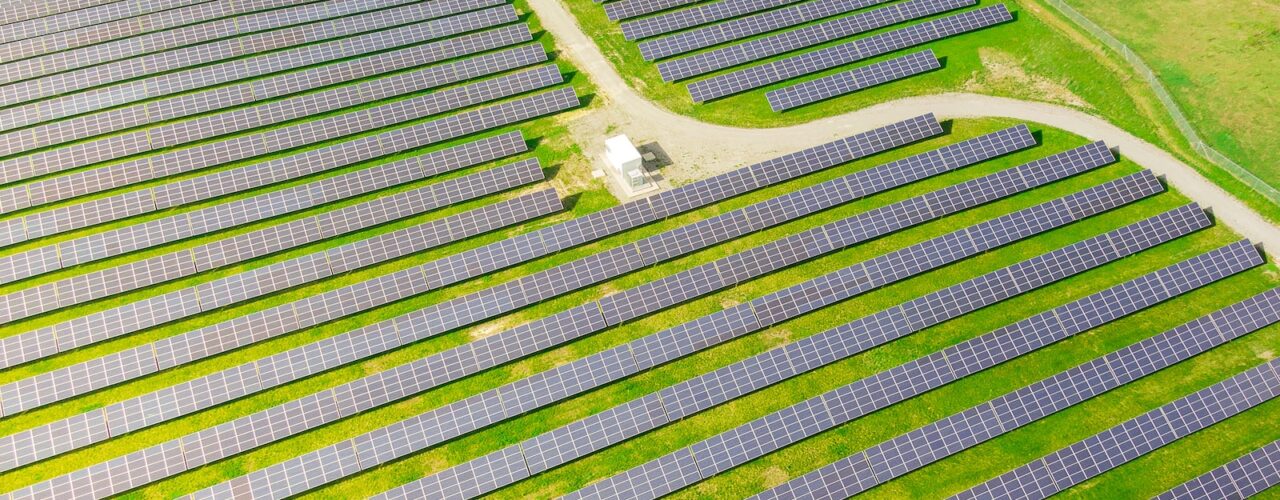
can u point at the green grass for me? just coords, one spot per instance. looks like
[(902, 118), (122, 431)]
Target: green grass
[(1039, 56), (1150, 474), (1221, 62)]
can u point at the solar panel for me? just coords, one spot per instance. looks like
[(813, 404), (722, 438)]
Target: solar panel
[(852, 81), (631, 8), (1138, 436), (1020, 407), (716, 34), (291, 136), (245, 68), (830, 57), (696, 15), (816, 34), (1243, 477), (566, 380)]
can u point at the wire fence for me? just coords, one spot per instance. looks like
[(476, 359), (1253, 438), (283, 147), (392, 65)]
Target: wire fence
[(1179, 118)]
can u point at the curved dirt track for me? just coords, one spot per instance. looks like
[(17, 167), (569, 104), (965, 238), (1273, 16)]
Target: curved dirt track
[(691, 142)]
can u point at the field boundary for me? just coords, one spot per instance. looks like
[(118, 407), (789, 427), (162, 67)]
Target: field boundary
[(1166, 99)]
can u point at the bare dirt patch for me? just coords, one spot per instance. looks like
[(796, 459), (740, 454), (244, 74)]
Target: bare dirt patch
[(1007, 73), (774, 476)]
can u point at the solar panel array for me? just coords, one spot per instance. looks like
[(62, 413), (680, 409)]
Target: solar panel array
[(134, 316), (815, 34), (847, 82), (811, 62), (125, 277), (237, 69), (451, 365), (236, 148), (763, 435), (65, 57), (234, 213), (678, 401), (53, 386), (1118, 445), (838, 151), (1243, 477), (728, 31), (616, 308), (231, 70), (377, 447), (960, 431), (176, 134), (189, 190), (221, 98), (213, 52)]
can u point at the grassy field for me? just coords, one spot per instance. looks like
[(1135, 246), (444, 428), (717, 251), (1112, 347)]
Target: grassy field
[(569, 174), (1221, 62), (1040, 56)]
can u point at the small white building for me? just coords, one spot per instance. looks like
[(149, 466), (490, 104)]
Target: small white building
[(625, 160)]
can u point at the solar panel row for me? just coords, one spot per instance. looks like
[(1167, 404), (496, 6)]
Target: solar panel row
[(234, 213), (462, 361), (462, 266), (212, 52), (696, 15), (720, 186), (123, 28), (225, 97), (415, 433), (64, 20), (623, 9), (686, 466), (280, 168), (808, 36), (678, 401), (22, 10), (830, 57), (1243, 477), (238, 69), (728, 31), (852, 81), (171, 134), (945, 437), (135, 316), (110, 281), (66, 60), (1118, 445)]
